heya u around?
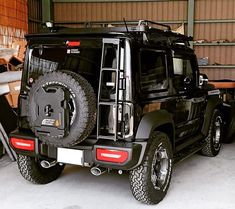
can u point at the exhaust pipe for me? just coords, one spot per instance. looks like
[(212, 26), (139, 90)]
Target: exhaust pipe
[(47, 164), (97, 171)]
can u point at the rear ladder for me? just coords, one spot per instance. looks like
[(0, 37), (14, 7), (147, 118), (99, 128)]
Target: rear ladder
[(109, 88)]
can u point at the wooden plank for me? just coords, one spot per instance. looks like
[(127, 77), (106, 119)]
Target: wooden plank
[(223, 85)]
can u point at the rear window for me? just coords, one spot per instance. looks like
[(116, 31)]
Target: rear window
[(84, 58)]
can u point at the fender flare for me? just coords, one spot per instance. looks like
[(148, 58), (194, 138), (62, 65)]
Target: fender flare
[(151, 121), (212, 103), (229, 117)]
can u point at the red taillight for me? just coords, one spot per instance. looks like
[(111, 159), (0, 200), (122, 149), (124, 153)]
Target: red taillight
[(23, 144), (108, 155), (73, 43)]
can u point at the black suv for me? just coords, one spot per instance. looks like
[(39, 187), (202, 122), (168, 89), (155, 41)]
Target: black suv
[(126, 98)]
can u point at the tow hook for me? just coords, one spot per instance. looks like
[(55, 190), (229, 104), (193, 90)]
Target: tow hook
[(97, 171), (48, 164)]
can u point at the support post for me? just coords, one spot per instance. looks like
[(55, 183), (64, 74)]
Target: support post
[(47, 11), (191, 9)]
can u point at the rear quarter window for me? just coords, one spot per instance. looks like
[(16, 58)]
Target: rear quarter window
[(153, 75)]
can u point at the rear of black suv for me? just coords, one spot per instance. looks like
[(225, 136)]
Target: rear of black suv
[(124, 98), (73, 104)]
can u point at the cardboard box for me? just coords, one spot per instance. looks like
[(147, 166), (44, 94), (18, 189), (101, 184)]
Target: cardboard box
[(3, 65), (14, 63), (12, 97), (20, 46), (3, 61), (4, 89), (14, 87)]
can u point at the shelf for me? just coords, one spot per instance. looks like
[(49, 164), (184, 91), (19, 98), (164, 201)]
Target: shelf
[(217, 66), (215, 44)]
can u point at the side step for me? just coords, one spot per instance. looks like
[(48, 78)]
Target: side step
[(188, 152)]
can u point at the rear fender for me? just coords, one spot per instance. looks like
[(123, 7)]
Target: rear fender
[(151, 121), (213, 103), (228, 112)]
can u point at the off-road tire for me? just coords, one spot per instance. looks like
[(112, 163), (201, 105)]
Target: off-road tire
[(32, 171), (140, 178), (211, 148), (85, 102), (90, 95)]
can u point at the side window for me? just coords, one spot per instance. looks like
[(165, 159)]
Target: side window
[(183, 73), (153, 70)]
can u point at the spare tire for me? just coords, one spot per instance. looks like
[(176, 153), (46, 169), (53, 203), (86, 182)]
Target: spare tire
[(62, 108)]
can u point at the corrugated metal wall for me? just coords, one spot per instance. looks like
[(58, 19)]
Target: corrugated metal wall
[(13, 21), (35, 15), (223, 55), (205, 10), (173, 10)]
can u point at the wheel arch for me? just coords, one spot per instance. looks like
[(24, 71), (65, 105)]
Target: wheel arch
[(212, 104), (160, 120), (228, 113), (168, 129)]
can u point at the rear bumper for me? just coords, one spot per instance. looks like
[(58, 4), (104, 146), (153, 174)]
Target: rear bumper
[(88, 148)]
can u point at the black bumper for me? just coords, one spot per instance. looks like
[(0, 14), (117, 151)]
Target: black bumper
[(135, 150)]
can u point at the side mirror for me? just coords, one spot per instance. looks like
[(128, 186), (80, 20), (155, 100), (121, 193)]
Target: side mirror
[(203, 79)]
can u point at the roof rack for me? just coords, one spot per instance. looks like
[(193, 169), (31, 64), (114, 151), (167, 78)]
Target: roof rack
[(147, 22), (103, 24), (150, 30)]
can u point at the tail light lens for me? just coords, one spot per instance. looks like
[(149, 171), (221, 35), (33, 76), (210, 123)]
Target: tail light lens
[(114, 156), (22, 144)]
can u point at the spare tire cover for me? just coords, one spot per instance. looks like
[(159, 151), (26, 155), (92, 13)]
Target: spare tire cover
[(62, 108)]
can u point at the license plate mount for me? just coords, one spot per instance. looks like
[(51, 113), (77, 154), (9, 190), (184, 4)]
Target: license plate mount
[(70, 156)]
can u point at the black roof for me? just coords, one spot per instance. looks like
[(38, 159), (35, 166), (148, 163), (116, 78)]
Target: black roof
[(140, 29)]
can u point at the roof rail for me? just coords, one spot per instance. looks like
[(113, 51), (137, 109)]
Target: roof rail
[(146, 23)]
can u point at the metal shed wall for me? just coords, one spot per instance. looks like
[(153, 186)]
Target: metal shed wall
[(173, 10), (208, 24), (222, 12), (35, 15)]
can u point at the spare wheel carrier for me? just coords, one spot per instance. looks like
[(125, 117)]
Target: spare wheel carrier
[(62, 108)]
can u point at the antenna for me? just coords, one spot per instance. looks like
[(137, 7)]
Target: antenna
[(125, 24)]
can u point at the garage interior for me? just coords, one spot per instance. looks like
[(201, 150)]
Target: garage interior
[(198, 182)]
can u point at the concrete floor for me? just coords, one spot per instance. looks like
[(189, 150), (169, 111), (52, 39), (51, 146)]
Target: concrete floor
[(198, 182)]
